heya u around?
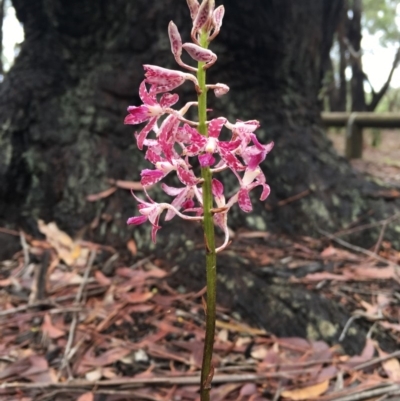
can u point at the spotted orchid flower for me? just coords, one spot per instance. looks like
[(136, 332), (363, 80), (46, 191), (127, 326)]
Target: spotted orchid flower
[(183, 198), (150, 111), (243, 130), (164, 166), (151, 211), (251, 179), (205, 147), (254, 155)]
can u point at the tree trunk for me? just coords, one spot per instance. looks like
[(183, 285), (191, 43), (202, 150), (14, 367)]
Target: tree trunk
[(2, 12), (338, 94)]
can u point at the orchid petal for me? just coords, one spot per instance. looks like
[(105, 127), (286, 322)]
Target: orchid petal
[(230, 159), (187, 177), (155, 227), (140, 138), (206, 160), (215, 127), (145, 96), (168, 99), (266, 191), (136, 220), (244, 200), (150, 177), (171, 190)]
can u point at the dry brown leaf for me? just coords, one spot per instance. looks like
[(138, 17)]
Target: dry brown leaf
[(130, 185), (239, 328), (101, 195), (248, 389), (313, 277), (86, 397), (66, 248), (220, 393), (392, 369), (137, 297), (94, 375), (306, 393), (369, 309), (131, 245), (62, 279), (390, 326), (366, 355), (391, 366), (101, 278), (337, 253), (259, 352), (15, 368), (49, 329), (107, 358), (375, 273), (5, 283)]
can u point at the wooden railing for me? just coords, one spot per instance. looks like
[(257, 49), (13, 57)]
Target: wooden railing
[(355, 122)]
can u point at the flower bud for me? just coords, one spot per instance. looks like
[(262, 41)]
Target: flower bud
[(193, 7), (221, 89), (198, 53), (218, 14), (175, 39), (204, 15)]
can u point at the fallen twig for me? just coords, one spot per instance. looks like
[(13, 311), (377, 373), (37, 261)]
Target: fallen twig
[(68, 348), (358, 249)]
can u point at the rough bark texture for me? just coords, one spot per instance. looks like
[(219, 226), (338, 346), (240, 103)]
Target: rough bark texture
[(63, 103), (2, 9)]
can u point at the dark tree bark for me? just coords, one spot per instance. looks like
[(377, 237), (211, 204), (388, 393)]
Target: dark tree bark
[(357, 81), (338, 91), (2, 10), (63, 103)]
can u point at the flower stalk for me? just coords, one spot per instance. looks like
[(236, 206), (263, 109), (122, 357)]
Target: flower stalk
[(209, 239)]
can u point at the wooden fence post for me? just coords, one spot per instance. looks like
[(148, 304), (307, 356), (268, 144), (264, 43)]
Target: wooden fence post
[(355, 122), (354, 138)]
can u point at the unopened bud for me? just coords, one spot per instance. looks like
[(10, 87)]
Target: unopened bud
[(193, 7), (221, 89), (204, 15), (175, 39), (198, 53), (218, 15)]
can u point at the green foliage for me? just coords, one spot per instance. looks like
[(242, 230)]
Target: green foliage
[(379, 17)]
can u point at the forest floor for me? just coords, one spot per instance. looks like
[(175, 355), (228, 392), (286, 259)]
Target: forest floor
[(77, 324)]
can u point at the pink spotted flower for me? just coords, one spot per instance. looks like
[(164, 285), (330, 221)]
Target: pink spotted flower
[(151, 211), (183, 198), (150, 111), (254, 155), (205, 147), (252, 178)]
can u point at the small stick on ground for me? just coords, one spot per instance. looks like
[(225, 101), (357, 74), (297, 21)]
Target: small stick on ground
[(358, 249), (68, 348)]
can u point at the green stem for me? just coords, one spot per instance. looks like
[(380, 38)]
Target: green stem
[(209, 238)]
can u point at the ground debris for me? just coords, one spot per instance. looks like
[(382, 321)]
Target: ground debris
[(74, 332)]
